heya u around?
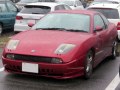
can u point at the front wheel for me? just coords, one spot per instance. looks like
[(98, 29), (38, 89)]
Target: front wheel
[(114, 50), (88, 65)]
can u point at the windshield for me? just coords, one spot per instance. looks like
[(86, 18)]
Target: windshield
[(35, 9), (70, 3), (105, 2), (28, 1), (65, 22), (108, 12)]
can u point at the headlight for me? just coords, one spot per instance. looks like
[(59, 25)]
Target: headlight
[(56, 61), (12, 44), (64, 48), (10, 56)]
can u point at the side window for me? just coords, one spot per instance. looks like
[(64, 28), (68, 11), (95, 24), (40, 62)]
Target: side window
[(60, 7), (11, 7), (105, 20), (3, 8), (98, 21), (67, 7)]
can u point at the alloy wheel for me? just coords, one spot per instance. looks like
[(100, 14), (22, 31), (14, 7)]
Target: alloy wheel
[(89, 65)]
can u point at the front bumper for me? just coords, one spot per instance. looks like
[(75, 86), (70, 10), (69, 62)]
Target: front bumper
[(58, 71)]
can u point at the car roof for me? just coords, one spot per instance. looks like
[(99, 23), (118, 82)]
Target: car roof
[(104, 5), (45, 4), (88, 12)]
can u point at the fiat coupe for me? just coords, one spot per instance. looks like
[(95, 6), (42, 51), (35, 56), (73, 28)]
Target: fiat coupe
[(63, 44)]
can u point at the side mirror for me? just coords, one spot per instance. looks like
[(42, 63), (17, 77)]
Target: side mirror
[(98, 28), (30, 24)]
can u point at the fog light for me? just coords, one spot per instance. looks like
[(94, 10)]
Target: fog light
[(10, 56), (56, 61)]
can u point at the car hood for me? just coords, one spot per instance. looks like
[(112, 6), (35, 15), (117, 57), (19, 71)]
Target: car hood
[(45, 42)]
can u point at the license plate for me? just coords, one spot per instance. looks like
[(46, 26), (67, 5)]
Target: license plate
[(31, 21), (30, 67), (27, 21), (23, 22)]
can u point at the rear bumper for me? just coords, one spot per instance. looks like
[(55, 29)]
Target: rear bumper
[(58, 71), (21, 27), (118, 34)]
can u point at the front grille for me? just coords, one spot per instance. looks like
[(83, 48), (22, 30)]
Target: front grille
[(32, 58)]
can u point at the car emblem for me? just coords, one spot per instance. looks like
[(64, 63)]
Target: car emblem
[(32, 50)]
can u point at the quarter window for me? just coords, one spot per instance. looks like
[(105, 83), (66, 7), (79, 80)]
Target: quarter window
[(98, 21), (105, 20)]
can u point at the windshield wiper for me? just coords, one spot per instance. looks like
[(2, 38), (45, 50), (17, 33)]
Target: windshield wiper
[(73, 30), (61, 29)]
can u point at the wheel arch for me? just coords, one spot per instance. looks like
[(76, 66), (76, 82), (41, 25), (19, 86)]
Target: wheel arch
[(93, 50)]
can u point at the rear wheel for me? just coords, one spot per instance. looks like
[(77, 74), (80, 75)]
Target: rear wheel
[(114, 50), (118, 39), (88, 65)]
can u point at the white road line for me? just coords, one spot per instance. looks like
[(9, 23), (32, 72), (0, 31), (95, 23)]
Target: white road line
[(2, 69), (114, 83)]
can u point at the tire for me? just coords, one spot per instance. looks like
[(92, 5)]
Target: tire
[(12, 29), (1, 29), (16, 32), (88, 65), (114, 50), (118, 40)]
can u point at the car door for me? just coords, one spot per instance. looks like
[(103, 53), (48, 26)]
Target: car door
[(102, 37), (12, 12), (109, 34), (4, 15)]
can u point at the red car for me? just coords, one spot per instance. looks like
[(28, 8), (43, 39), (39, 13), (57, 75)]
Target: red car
[(63, 44)]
